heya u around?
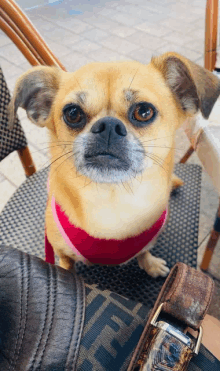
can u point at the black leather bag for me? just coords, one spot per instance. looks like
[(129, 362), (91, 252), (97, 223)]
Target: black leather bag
[(50, 320)]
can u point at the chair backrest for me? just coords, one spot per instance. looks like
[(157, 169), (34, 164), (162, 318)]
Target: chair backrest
[(16, 25), (10, 140), (24, 35)]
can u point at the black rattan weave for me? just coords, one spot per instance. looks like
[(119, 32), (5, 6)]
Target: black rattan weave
[(10, 140), (22, 224)]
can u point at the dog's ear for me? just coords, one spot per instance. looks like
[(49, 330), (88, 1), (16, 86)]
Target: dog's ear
[(35, 91), (194, 87)]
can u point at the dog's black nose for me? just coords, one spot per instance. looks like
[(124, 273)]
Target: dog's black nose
[(109, 128)]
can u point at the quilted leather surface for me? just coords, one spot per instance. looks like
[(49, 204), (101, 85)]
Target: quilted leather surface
[(41, 314)]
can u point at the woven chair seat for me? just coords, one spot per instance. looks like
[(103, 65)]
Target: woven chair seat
[(22, 226)]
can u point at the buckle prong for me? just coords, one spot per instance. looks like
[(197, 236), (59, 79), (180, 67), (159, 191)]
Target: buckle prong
[(156, 315), (199, 340)]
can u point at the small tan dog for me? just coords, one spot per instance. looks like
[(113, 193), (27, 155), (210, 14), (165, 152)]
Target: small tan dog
[(112, 129)]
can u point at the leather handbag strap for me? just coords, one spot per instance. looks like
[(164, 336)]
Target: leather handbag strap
[(186, 295), (41, 314)]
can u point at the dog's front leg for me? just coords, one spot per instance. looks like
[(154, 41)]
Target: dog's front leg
[(66, 262), (155, 267)]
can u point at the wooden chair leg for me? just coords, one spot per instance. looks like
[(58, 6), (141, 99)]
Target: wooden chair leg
[(187, 155), (27, 161), (211, 31), (214, 237)]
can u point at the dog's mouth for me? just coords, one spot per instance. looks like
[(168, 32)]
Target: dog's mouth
[(106, 160), (104, 155)]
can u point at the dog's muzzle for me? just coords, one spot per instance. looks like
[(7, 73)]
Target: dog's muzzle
[(108, 147), (108, 153)]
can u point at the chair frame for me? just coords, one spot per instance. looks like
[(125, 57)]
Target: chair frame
[(211, 36)]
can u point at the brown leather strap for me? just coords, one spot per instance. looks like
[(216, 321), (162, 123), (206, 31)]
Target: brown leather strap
[(186, 295)]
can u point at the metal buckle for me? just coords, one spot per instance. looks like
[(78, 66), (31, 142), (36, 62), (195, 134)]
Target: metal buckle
[(181, 336)]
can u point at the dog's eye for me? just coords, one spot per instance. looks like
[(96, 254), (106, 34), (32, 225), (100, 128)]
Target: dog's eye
[(142, 113), (74, 116)]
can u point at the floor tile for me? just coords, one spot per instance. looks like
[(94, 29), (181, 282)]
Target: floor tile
[(177, 25), (125, 18), (4, 40), (106, 12), (154, 30), (2, 178), (37, 137), (59, 49), (11, 53), (95, 35), (143, 39), (7, 190), (63, 36), (122, 31), (9, 70), (178, 38), (75, 60), (184, 16), (72, 24), (98, 21), (118, 43), (107, 55), (85, 46), (155, 7), (12, 169), (141, 55)]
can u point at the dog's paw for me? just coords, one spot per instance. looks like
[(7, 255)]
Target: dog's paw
[(155, 267), (158, 268)]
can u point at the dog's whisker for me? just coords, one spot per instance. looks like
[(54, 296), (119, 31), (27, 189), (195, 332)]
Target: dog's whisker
[(60, 141), (156, 159), (59, 158), (130, 186), (85, 185), (150, 140), (123, 185), (177, 149), (42, 149), (159, 159), (66, 159), (62, 163)]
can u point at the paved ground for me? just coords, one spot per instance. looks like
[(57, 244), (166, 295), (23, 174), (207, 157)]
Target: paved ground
[(99, 31)]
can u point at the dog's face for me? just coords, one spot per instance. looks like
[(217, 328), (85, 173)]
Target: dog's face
[(116, 120), (111, 120)]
